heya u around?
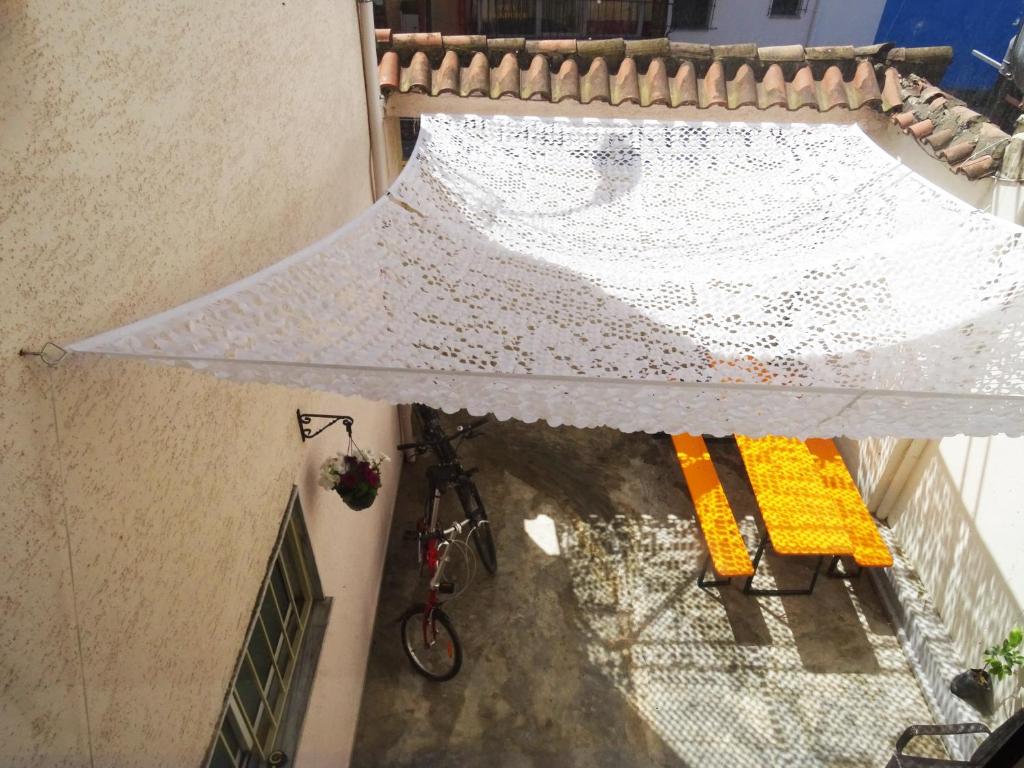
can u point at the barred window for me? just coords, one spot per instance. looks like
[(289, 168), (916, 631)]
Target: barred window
[(267, 700), (786, 8)]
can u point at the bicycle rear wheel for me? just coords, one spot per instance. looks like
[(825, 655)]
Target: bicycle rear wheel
[(434, 649), (483, 537)]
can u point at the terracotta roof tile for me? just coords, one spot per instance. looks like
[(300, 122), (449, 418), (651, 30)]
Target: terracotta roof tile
[(800, 92), (977, 167), (938, 139), (499, 46), (957, 152), (654, 47), (967, 141), (922, 129), (390, 75), (612, 50), (446, 78), (865, 86), (774, 87), (564, 47), (715, 93), (892, 94), (683, 88), (675, 74), (417, 76), (624, 85), (833, 91), (536, 81), (594, 84), (566, 84), (505, 79), (743, 88), (905, 120), (654, 88), (476, 78)]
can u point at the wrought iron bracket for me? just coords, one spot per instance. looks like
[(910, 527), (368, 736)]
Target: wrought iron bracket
[(306, 432)]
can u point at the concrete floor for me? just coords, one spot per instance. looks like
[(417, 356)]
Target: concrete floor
[(593, 646)]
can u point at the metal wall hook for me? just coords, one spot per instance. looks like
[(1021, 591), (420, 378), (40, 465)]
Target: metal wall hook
[(305, 418), (51, 353)]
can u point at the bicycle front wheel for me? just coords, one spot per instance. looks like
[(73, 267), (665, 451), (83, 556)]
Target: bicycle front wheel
[(483, 537), (431, 643)]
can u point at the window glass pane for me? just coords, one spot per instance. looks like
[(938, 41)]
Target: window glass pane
[(293, 628), (281, 589), (298, 584), (221, 758), (247, 692), (261, 655), (231, 738), (271, 618)]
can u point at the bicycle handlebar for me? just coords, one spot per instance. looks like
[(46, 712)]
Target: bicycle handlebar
[(461, 431), (473, 425)]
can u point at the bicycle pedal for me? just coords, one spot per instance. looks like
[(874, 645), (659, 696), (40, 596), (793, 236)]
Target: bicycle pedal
[(446, 587)]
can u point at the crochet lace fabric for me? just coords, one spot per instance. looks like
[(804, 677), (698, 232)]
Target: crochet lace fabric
[(699, 277)]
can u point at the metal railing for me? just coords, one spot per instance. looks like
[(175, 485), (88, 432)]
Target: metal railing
[(570, 18)]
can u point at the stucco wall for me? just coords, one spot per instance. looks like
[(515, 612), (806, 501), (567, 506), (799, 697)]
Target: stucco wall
[(150, 153), (960, 518), (824, 22), (956, 505)]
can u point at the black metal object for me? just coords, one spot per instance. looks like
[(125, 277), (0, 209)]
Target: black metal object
[(1002, 748), (708, 583), (834, 572), (304, 420), (1005, 747), (750, 589), (900, 760), (574, 18), (51, 353)]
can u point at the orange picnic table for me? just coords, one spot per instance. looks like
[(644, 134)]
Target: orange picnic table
[(810, 506)]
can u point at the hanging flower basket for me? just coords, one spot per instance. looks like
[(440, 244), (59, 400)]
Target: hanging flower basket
[(354, 475)]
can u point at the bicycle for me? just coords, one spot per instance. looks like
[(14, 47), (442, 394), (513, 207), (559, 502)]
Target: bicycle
[(428, 636), (431, 644), (449, 473)]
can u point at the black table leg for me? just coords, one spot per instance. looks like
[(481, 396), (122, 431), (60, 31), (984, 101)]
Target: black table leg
[(834, 572), (750, 589), (708, 583)]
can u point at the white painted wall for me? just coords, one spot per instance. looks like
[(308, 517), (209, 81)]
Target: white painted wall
[(825, 22), (956, 507)]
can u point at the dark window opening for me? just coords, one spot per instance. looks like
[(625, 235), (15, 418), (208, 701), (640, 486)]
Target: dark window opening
[(786, 8), (410, 127), (692, 14)]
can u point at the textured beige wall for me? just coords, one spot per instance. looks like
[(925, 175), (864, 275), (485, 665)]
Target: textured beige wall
[(150, 153)]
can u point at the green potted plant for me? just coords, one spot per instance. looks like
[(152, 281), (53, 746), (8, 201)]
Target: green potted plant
[(975, 685)]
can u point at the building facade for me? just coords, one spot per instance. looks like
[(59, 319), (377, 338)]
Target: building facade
[(150, 154), (147, 509)]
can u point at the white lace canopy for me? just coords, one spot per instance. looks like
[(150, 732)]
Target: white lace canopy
[(700, 277)]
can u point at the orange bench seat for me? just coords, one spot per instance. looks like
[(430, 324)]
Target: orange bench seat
[(726, 548), (869, 549)]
